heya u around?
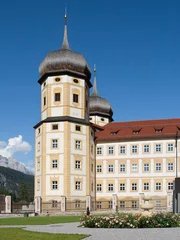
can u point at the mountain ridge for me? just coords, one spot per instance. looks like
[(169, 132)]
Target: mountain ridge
[(15, 165)]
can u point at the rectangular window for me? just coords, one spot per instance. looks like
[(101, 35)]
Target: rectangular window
[(158, 186), (146, 186), (158, 203), (92, 167), (38, 146), (78, 144), (170, 166), (54, 185), (110, 168), (91, 149), (99, 204), (78, 128), (99, 168), (55, 127), (134, 149), (110, 205), (99, 187), (170, 147), (122, 149), (158, 147), (54, 204), (75, 98), (44, 101), (134, 186), (39, 130), (77, 164), (122, 167), (110, 187), (146, 167), (122, 186), (78, 185), (134, 204), (54, 163), (170, 186), (54, 143), (111, 150), (99, 150), (38, 165), (122, 204), (77, 204), (57, 97), (158, 166), (146, 148), (134, 167)]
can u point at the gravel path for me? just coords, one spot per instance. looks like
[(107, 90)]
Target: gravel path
[(107, 234)]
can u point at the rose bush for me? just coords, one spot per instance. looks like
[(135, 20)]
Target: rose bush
[(156, 220)]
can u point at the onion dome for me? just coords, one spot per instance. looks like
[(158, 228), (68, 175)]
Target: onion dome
[(98, 105), (64, 59)]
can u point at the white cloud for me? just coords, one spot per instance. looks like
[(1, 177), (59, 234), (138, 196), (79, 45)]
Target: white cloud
[(14, 145), (2, 144)]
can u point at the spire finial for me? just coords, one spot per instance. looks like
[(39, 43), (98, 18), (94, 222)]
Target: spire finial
[(94, 92), (65, 44)]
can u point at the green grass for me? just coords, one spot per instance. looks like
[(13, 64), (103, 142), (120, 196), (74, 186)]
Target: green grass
[(19, 234), (39, 220)]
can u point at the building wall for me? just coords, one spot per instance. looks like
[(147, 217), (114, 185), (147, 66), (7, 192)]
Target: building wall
[(153, 176)]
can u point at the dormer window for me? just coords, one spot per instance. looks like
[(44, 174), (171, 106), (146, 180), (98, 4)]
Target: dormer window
[(114, 133), (158, 130), (135, 132)]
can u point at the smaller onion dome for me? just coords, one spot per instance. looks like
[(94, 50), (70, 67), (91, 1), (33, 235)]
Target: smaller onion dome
[(65, 59), (98, 105)]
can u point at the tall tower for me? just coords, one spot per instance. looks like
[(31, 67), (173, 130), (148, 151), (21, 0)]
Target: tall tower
[(100, 110), (64, 139)]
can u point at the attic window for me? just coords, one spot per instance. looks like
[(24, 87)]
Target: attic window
[(136, 130), (75, 80), (158, 130), (114, 133), (57, 79), (102, 119)]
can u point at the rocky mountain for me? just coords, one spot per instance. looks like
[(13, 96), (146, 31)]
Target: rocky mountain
[(19, 185), (13, 164)]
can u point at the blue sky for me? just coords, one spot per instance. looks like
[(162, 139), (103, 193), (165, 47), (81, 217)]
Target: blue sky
[(134, 43)]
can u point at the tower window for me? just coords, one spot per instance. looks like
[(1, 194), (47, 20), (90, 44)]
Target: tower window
[(102, 119), (57, 79), (75, 98), (78, 144), (54, 185), (54, 143), (54, 163), (78, 128), (55, 127), (75, 80), (44, 101), (44, 84), (78, 185), (78, 164), (57, 97)]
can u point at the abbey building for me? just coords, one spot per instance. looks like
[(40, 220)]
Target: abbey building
[(81, 154)]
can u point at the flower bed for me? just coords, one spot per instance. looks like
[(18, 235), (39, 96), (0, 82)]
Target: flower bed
[(156, 220)]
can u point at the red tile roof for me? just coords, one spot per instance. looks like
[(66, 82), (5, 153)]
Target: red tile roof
[(136, 130)]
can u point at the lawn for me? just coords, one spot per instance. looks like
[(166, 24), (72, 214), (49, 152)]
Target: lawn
[(19, 234), (39, 220)]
